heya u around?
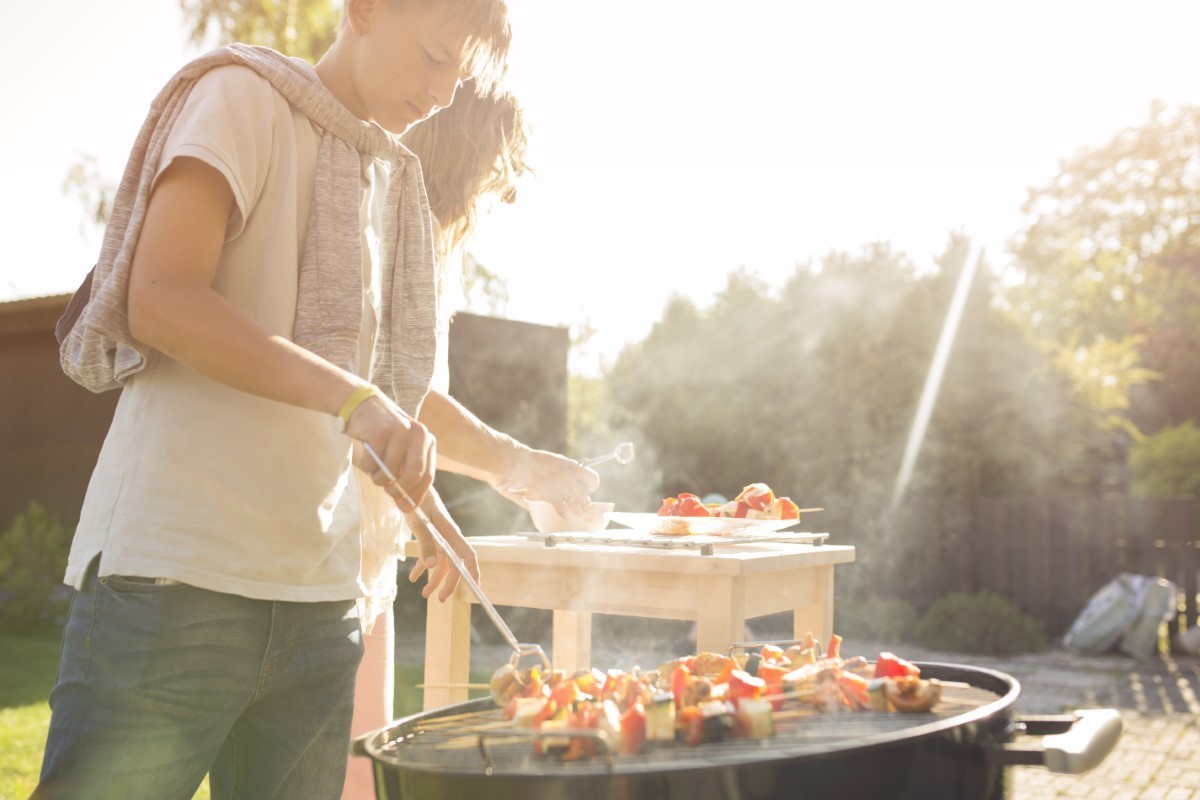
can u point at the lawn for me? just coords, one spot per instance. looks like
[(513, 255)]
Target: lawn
[(27, 669)]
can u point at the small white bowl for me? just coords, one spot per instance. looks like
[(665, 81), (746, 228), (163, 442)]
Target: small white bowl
[(593, 518)]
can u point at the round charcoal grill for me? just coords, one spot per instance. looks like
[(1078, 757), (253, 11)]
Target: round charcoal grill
[(961, 750)]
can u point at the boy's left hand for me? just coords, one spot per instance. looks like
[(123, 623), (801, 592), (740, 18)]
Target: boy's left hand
[(444, 574)]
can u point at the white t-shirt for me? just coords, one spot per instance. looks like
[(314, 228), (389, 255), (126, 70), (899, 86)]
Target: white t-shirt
[(208, 485)]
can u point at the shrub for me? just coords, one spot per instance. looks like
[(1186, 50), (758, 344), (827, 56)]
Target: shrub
[(874, 619), (33, 558), (1167, 464), (982, 623)]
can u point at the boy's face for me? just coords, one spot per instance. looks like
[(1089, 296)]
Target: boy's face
[(408, 63)]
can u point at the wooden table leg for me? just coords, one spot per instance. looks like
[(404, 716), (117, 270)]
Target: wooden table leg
[(447, 650), (572, 643), (721, 618), (817, 617)]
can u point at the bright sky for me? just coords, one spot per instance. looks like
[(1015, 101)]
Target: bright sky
[(675, 140)]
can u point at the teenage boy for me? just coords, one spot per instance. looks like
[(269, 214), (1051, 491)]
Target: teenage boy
[(267, 266)]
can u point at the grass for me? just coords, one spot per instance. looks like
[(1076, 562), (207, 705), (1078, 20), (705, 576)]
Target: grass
[(28, 666), (27, 670)]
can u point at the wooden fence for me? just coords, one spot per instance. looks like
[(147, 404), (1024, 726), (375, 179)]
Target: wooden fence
[(1048, 555)]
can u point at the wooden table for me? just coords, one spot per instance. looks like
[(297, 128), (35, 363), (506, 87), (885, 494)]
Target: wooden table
[(719, 592)]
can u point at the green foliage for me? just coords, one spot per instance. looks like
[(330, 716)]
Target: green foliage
[(1107, 267), (1103, 375), (27, 673), (870, 617), (982, 623), (812, 387), (94, 192), (1101, 223), (1167, 464), (304, 28), (33, 558), (484, 291)]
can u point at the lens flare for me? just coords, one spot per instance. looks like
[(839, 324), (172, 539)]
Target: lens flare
[(933, 381)]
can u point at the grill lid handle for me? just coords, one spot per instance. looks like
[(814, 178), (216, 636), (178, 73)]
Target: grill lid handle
[(1071, 744)]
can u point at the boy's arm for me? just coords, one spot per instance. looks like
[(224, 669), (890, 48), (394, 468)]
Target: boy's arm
[(469, 446), (174, 309)]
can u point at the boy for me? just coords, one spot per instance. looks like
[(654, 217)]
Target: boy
[(267, 265)]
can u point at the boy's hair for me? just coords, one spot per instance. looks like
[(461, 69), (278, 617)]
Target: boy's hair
[(473, 148), (488, 38)]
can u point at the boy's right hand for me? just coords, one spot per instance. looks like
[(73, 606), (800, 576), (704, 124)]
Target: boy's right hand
[(404, 444)]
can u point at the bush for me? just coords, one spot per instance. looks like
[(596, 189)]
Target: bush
[(982, 623), (1167, 464), (33, 558), (874, 619)]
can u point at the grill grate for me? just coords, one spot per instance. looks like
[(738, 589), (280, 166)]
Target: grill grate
[(704, 543), (443, 741)]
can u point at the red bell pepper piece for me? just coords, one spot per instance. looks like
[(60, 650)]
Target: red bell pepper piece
[(743, 685), (890, 665), (584, 716), (667, 509), (679, 682), (633, 729), (758, 496), (691, 720), (772, 654), (788, 509), (835, 647), (691, 506), (564, 694), (548, 710), (772, 676)]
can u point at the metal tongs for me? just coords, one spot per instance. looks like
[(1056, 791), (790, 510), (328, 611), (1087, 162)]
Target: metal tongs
[(622, 455), (520, 649)]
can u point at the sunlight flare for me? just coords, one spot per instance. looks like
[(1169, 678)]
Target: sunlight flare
[(933, 380)]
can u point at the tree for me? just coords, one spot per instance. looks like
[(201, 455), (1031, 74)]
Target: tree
[(484, 291), (304, 28), (1167, 464), (94, 191), (812, 387), (1111, 254)]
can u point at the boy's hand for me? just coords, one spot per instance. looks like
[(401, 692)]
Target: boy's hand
[(441, 571), (405, 445)]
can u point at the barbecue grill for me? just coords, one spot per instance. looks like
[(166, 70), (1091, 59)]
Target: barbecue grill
[(960, 750)]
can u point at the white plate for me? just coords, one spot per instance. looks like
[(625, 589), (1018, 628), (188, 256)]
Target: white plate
[(712, 526)]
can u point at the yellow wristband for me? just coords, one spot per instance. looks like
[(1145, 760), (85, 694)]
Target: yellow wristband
[(356, 399)]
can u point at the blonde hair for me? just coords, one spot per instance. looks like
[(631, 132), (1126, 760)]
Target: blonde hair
[(488, 36), (469, 151)]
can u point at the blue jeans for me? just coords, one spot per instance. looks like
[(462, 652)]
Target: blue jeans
[(159, 684)]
